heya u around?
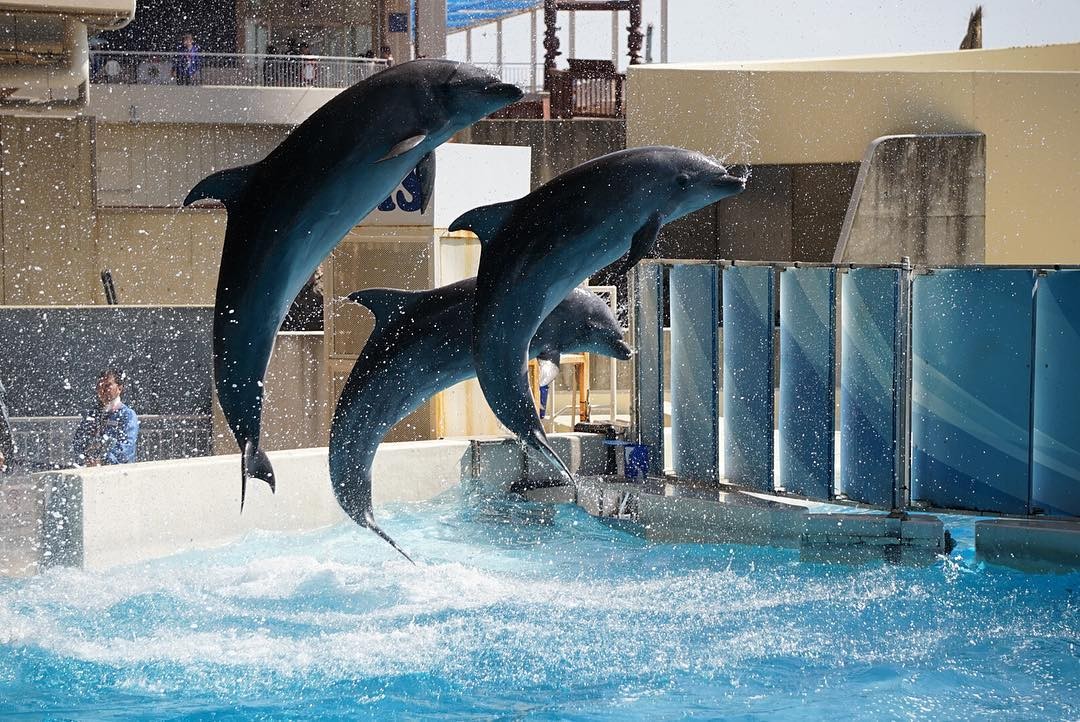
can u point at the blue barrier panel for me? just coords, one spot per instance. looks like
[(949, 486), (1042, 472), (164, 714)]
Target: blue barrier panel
[(695, 351), (1055, 470), (971, 389), (870, 392), (748, 376), (649, 361), (807, 383)]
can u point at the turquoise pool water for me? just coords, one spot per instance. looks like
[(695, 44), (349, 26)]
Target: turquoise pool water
[(524, 611)]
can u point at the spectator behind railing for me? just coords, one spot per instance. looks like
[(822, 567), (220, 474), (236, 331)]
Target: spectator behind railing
[(109, 433), (309, 66), (187, 64)]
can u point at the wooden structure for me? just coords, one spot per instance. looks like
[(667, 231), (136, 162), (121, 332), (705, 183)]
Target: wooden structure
[(580, 362), (590, 88)]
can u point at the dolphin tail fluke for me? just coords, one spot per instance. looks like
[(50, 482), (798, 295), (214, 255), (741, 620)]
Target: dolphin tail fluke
[(537, 440), (369, 522), (255, 465)]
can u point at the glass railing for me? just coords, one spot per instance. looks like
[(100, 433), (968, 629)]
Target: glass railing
[(229, 69)]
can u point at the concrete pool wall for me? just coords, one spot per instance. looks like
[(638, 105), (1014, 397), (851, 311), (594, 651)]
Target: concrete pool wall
[(105, 516)]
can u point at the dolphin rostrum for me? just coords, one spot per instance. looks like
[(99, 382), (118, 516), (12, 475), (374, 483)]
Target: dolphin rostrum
[(419, 347), (289, 210), (537, 248)]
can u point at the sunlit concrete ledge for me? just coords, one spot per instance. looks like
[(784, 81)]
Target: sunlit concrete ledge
[(111, 515), (206, 104), (1029, 545), (106, 516)]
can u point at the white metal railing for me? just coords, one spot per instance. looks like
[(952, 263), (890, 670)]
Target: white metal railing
[(274, 71), (527, 76)]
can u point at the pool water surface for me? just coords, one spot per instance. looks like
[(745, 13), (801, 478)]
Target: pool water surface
[(519, 610)]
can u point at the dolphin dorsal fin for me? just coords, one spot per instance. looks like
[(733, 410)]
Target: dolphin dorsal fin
[(484, 221), (225, 185), (388, 303)]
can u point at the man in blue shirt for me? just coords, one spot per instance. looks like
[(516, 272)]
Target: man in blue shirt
[(108, 434)]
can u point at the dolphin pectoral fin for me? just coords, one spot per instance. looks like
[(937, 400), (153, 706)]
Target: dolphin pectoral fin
[(484, 221), (225, 185), (640, 245), (404, 147), (425, 171), (369, 522), (255, 464)]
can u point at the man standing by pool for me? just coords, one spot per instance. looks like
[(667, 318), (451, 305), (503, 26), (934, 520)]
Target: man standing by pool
[(108, 434)]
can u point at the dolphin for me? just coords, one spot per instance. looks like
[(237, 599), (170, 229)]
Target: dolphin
[(419, 347), (537, 248), (289, 210)]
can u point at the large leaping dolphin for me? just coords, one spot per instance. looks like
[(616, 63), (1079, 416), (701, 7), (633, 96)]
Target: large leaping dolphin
[(420, 346), (537, 248), (288, 211)]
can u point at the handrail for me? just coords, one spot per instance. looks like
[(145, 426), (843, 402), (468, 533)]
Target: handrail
[(143, 67)]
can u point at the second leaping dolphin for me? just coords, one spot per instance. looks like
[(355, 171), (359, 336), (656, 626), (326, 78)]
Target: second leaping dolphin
[(537, 248), (420, 346), (288, 211)]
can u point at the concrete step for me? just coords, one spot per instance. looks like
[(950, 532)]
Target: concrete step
[(1041, 545)]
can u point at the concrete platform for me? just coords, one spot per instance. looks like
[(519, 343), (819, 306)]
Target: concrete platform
[(1039, 545), (677, 514), (858, 538), (110, 515)]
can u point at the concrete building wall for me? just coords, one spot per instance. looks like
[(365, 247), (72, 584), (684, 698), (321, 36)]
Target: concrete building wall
[(156, 164), (921, 197), (47, 211), (830, 111), (557, 145)]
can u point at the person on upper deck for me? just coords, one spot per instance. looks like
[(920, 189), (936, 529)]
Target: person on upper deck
[(187, 65)]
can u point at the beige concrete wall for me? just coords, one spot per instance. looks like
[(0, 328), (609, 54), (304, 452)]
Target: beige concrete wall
[(47, 211), (161, 255), (230, 105), (829, 116), (1043, 57), (156, 164)]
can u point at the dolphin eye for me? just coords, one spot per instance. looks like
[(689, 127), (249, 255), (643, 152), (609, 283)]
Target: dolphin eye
[(683, 180)]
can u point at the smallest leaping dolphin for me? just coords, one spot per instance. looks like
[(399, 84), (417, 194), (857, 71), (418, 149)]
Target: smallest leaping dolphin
[(537, 248), (420, 347)]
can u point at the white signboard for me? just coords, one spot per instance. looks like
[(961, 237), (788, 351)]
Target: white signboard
[(466, 176)]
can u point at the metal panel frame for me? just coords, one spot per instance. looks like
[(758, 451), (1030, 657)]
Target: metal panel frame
[(970, 400), (1055, 398), (651, 374), (695, 365), (872, 386), (807, 418), (647, 322), (749, 376)]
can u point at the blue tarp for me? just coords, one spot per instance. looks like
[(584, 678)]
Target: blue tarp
[(462, 13)]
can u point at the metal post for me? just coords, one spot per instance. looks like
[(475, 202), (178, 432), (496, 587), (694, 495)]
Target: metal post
[(551, 41), (1039, 274), (663, 30), (902, 483), (532, 49)]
